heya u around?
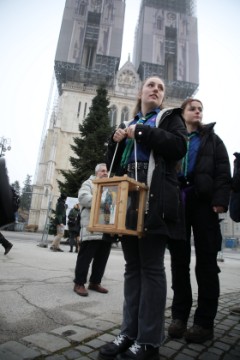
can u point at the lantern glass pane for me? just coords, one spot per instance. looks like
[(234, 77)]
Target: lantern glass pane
[(107, 211), (132, 210)]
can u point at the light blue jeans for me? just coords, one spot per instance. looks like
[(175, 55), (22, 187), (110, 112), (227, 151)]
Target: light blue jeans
[(144, 289)]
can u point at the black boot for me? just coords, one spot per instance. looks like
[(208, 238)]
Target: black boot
[(71, 249), (5, 243), (8, 248)]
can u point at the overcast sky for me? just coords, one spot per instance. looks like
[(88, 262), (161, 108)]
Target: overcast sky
[(29, 34)]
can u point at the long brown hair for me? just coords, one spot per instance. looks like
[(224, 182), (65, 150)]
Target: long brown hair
[(138, 105), (188, 101)]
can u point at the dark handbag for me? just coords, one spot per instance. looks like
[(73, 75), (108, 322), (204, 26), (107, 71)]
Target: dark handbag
[(52, 230), (71, 223)]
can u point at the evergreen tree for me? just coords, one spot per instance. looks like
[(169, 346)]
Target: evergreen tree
[(26, 195), (90, 147)]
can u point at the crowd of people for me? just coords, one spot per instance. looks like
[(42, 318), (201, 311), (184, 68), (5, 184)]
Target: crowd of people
[(186, 167)]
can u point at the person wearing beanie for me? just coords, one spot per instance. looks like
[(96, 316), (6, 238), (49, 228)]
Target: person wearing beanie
[(60, 221)]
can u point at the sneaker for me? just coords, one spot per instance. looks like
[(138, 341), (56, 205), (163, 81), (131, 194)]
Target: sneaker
[(98, 288), (140, 352), (8, 248), (197, 334), (235, 310), (120, 344), (59, 250), (177, 328), (80, 290)]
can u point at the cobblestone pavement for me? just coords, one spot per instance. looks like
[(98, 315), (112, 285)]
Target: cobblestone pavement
[(83, 340)]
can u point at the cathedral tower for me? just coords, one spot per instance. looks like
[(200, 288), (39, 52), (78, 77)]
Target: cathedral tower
[(90, 42), (166, 44)]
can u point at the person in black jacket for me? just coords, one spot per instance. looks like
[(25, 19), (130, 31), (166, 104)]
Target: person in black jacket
[(158, 138), (74, 227), (9, 198), (205, 179), (235, 205), (60, 221), (9, 204)]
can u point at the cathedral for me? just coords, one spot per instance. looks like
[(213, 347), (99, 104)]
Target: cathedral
[(88, 54)]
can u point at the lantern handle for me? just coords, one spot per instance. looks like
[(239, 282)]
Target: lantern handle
[(135, 159), (115, 151), (123, 126)]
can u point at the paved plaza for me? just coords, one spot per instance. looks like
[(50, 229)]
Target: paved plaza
[(42, 318)]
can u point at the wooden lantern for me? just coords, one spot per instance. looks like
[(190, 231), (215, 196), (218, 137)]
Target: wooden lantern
[(118, 206)]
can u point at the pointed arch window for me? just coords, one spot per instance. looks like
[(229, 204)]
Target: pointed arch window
[(159, 23), (81, 7), (169, 68), (85, 110), (79, 108), (124, 114), (113, 115)]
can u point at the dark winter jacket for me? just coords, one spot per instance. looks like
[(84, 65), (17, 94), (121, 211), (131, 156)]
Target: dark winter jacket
[(234, 203), (212, 173), (167, 142), (236, 173), (60, 216), (74, 220)]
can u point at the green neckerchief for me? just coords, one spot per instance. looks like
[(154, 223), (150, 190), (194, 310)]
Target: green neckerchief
[(129, 145), (185, 159)]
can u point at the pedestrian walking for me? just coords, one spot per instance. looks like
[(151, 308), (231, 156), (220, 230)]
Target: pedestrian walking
[(60, 221)]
